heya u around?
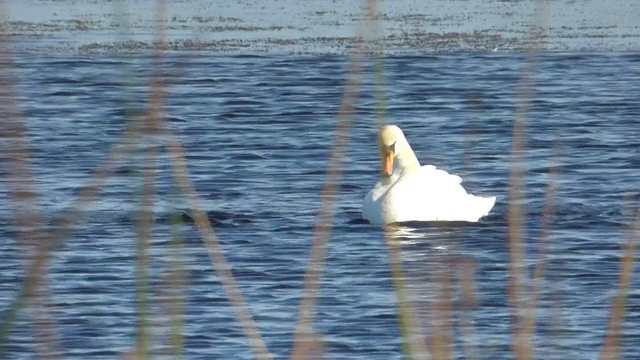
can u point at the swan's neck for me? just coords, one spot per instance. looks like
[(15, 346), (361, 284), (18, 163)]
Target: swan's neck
[(406, 161)]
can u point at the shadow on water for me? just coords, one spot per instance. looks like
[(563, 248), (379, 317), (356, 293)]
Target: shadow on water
[(217, 218)]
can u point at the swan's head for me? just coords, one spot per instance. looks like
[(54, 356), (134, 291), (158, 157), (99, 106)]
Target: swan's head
[(391, 143)]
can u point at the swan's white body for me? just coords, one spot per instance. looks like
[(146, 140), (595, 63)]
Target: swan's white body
[(407, 191)]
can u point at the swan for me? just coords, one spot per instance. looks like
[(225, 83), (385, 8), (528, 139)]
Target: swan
[(406, 191)]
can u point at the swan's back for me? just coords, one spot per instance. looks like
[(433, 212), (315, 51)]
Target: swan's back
[(431, 194)]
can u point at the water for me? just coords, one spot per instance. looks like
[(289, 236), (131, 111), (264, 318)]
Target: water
[(258, 131)]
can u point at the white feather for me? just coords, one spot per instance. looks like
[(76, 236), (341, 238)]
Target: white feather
[(422, 193)]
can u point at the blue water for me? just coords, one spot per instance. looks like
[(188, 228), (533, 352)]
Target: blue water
[(258, 131)]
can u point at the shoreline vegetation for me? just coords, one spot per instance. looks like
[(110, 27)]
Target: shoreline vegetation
[(86, 26)]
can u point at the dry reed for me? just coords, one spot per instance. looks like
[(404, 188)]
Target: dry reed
[(23, 196), (307, 344), (610, 349), (521, 343)]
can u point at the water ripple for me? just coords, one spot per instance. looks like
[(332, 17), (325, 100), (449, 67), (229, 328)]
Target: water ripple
[(258, 131)]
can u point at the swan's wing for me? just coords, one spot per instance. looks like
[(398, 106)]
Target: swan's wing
[(431, 178), (428, 194)]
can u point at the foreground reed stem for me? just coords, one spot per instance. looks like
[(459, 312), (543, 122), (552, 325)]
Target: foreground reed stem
[(522, 339), (29, 222), (610, 350)]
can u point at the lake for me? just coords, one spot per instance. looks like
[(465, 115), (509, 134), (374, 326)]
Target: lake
[(257, 128)]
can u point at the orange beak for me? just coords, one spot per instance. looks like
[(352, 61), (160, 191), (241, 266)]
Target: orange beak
[(388, 163)]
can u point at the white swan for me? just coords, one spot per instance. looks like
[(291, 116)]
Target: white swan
[(407, 191)]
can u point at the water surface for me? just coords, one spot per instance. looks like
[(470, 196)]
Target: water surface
[(258, 130)]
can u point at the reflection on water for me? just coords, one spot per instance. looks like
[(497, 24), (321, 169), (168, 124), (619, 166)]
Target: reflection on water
[(438, 235), (433, 270)]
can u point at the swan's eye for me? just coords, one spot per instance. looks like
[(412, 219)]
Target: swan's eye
[(392, 147)]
